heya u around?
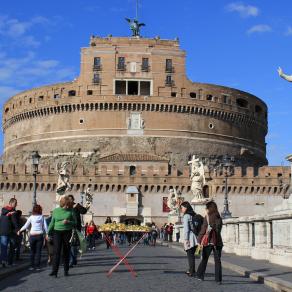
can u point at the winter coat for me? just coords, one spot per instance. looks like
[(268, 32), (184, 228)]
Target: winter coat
[(215, 223), (8, 221)]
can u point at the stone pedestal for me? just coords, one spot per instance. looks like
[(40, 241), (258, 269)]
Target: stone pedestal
[(173, 218), (199, 207)]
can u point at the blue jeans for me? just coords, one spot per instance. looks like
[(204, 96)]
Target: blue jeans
[(4, 248), (73, 255)]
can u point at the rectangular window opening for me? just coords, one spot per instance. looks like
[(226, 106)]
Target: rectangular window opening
[(133, 87), (120, 87), (145, 88)]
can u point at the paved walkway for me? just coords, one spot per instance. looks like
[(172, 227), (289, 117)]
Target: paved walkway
[(159, 269), (275, 276)]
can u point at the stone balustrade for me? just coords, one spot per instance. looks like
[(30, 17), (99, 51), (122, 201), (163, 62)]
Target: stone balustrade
[(261, 237)]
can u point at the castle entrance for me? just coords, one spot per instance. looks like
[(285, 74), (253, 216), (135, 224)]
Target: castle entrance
[(135, 220)]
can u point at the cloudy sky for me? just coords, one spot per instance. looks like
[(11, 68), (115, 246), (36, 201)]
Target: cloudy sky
[(238, 44)]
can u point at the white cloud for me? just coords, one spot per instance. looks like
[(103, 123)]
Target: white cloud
[(289, 31), (259, 28), (243, 9)]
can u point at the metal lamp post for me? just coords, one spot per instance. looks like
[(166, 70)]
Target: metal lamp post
[(228, 169), (35, 164)]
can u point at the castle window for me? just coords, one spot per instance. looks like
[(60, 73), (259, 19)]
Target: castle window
[(168, 80), (41, 97), (242, 102), (121, 87), (145, 88), (72, 93), (193, 95), (209, 97), (133, 88), (121, 64), (81, 121), (89, 92), (168, 66), (145, 65), (96, 64), (173, 94), (132, 170), (30, 100), (225, 98), (211, 126), (96, 78), (7, 110), (56, 96)]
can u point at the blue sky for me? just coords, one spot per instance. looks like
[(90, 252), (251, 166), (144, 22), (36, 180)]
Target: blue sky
[(233, 43)]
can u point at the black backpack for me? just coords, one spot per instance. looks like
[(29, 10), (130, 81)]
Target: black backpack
[(196, 224)]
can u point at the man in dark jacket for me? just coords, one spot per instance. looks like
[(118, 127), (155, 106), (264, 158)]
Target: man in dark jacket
[(78, 211), (8, 229)]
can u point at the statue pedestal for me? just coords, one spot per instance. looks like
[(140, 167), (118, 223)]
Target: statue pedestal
[(199, 206), (173, 218)]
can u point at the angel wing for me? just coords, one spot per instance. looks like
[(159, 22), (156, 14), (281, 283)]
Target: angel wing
[(283, 75), (142, 24)]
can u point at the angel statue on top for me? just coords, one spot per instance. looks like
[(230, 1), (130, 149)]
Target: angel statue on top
[(197, 178), (63, 180)]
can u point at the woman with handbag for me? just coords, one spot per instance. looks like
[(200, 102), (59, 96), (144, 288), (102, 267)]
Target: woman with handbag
[(38, 230), (210, 240), (190, 240), (62, 223)]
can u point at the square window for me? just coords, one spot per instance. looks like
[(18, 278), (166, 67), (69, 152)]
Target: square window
[(120, 87), (133, 87), (145, 87)]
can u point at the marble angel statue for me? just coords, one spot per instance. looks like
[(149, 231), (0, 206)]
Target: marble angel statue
[(172, 202), (63, 180), (197, 179)]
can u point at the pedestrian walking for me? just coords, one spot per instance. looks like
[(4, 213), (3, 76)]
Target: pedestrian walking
[(38, 229), (211, 241), (91, 235), (170, 232), (177, 234), (20, 221), (63, 221), (78, 211), (109, 235), (192, 224), (8, 232)]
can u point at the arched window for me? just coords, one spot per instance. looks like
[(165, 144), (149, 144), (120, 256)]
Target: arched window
[(132, 170)]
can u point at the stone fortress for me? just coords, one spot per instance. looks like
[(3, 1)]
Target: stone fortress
[(128, 125)]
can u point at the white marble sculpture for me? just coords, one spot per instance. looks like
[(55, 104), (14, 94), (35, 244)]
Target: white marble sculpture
[(283, 75), (197, 178), (88, 198), (63, 180), (172, 202)]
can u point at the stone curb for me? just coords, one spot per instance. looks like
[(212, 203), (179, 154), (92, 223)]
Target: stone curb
[(272, 282)]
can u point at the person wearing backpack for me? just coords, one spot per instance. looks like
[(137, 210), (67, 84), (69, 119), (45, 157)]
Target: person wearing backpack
[(38, 230), (191, 223), (211, 241)]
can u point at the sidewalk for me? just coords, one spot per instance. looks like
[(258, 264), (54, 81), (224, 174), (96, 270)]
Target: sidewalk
[(274, 276), (19, 266)]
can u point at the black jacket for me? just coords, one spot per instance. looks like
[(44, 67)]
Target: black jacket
[(9, 223), (78, 209)]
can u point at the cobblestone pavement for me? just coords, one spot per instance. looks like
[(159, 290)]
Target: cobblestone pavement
[(159, 269)]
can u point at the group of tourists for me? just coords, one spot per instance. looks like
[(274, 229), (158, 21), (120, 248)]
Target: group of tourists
[(55, 232), (202, 236)]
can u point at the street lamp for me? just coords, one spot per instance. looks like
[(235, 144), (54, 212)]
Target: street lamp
[(35, 157), (228, 167)]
